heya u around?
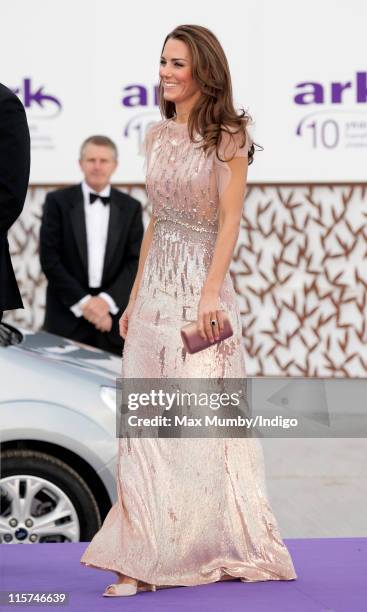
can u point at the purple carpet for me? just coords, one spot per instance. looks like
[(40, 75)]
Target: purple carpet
[(332, 577)]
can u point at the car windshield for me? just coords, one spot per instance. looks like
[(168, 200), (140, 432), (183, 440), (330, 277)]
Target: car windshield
[(9, 335)]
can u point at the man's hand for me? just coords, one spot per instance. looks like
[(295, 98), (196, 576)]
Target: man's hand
[(95, 309), (104, 324)]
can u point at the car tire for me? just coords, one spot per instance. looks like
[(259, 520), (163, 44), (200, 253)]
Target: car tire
[(60, 474)]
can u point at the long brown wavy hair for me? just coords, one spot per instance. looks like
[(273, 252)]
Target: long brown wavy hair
[(214, 112)]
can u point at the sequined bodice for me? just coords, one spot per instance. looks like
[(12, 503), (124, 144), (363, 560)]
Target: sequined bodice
[(180, 179), (184, 186)]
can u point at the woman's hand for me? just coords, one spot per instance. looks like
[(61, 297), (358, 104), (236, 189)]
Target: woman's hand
[(209, 310), (124, 319)]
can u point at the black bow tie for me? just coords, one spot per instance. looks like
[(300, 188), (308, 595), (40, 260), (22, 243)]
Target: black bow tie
[(94, 196)]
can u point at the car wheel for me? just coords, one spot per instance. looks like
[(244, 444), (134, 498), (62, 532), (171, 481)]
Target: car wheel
[(44, 500)]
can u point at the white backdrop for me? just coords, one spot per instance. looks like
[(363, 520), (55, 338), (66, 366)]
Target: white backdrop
[(74, 62)]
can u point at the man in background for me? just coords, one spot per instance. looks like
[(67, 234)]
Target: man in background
[(89, 247), (14, 176)]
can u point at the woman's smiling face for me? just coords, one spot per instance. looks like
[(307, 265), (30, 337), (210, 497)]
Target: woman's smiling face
[(176, 73)]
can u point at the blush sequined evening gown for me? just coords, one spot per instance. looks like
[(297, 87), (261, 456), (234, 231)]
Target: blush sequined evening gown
[(189, 511)]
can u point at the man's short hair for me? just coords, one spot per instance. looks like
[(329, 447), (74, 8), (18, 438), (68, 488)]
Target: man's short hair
[(103, 141)]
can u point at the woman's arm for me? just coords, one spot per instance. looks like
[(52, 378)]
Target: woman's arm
[(144, 250), (230, 212)]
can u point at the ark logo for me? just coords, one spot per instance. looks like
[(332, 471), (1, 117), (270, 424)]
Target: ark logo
[(337, 93), (144, 100), (139, 95), (38, 99), (337, 113)]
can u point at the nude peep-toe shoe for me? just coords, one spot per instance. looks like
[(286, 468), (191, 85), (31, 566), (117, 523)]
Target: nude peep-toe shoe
[(126, 589), (120, 590)]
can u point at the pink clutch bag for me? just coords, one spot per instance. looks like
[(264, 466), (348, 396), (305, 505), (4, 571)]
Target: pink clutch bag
[(194, 343)]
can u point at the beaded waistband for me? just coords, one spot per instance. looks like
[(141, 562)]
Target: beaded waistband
[(196, 228)]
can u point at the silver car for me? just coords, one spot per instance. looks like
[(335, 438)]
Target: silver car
[(58, 442)]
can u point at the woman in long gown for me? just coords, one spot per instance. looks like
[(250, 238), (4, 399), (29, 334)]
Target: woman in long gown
[(189, 511)]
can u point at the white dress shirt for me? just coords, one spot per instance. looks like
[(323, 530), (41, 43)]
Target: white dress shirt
[(97, 216)]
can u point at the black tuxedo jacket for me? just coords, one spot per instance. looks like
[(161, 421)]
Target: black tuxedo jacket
[(14, 176), (64, 257)]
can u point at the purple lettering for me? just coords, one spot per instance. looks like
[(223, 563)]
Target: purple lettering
[(337, 90), (314, 96), (362, 87), (313, 93), (138, 96), (37, 96)]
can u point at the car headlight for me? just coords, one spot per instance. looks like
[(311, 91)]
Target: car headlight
[(108, 397)]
